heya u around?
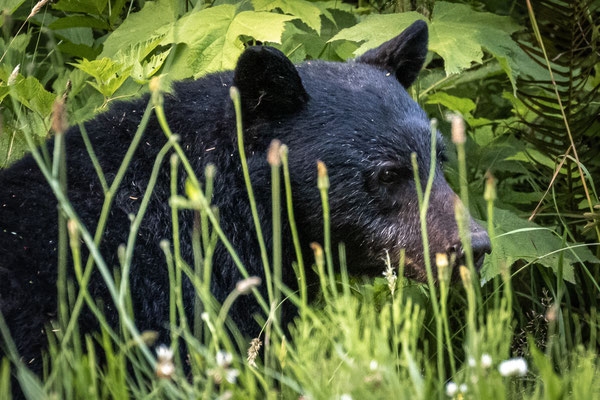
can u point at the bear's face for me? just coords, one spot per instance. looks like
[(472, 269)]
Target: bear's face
[(358, 118)]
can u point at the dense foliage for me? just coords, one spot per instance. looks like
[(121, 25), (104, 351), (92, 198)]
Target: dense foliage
[(525, 76)]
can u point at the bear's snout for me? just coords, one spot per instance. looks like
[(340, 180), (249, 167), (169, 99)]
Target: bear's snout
[(480, 245)]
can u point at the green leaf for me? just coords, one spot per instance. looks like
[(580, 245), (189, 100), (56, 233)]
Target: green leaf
[(77, 21), (463, 106), (82, 36), (78, 50), (305, 10), (519, 239), (298, 44), (141, 26), (328, 8), (108, 74), (10, 5), (84, 6), (143, 71), (457, 33), (32, 95), (13, 146), (376, 29), (212, 37)]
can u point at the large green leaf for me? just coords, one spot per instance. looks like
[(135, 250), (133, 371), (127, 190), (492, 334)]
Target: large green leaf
[(77, 21), (84, 6), (212, 37), (141, 26), (309, 13), (32, 95), (457, 33), (10, 5), (518, 239)]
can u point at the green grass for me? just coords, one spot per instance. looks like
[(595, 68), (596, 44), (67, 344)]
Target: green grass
[(362, 339)]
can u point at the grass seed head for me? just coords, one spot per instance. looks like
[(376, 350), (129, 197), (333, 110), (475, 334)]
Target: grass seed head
[(255, 345), (36, 9)]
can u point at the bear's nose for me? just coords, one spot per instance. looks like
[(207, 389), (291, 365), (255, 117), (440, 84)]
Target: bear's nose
[(480, 243)]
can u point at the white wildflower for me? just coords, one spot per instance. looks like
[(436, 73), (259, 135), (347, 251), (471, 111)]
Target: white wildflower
[(231, 375), (451, 389), (463, 388), (513, 367), (164, 353), (13, 76), (164, 366), (227, 395), (486, 360), (165, 370), (471, 362), (373, 365), (224, 358), (345, 396)]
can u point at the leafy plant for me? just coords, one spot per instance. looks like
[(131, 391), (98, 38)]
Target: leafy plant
[(382, 338)]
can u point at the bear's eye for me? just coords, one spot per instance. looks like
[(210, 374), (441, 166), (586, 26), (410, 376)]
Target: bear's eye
[(389, 175)]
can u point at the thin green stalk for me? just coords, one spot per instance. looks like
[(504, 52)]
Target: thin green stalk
[(423, 199), (106, 206), (274, 160), (209, 175), (162, 120), (344, 270), (70, 213), (323, 185), (88, 240), (93, 157), (137, 222), (293, 228), (164, 245), (197, 254), (237, 103), (229, 300), (319, 261), (444, 309), (59, 172), (177, 244), (462, 218)]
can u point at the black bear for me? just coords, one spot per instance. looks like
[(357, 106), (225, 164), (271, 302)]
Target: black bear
[(356, 117)]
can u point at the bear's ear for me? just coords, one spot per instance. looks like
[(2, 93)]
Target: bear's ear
[(403, 55), (269, 83)]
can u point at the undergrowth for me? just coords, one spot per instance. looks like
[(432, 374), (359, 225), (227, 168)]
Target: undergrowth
[(527, 328)]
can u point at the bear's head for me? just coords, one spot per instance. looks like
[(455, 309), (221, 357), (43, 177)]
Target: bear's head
[(358, 119)]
